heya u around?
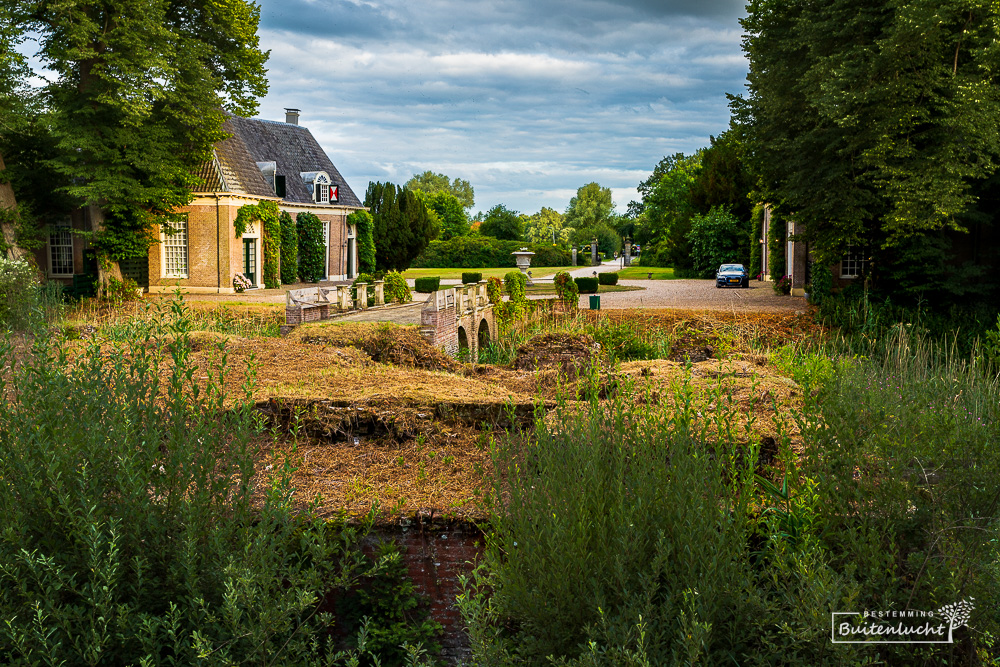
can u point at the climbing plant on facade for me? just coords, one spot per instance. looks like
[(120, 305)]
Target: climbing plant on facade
[(365, 226), (311, 247), (267, 215), (289, 249)]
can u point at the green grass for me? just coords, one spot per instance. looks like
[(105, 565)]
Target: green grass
[(456, 273), (640, 273)]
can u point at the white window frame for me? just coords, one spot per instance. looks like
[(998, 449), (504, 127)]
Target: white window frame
[(65, 234), (180, 242), (321, 189), (855, 258)]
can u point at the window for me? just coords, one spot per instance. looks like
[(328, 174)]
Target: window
[(61, 251), (175, 250), (854, 263), (322, 189)]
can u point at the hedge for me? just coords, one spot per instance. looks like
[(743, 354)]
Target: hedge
[(482, 252), (471, 278), (587, 285), (312, 263), (427, 284), (289, 250), (608, 278)]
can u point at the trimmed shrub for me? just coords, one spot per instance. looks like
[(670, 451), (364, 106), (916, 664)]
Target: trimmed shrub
[(471, 278), (395, 288), (289, 249), (515, 282), (483, 252), (311, 248), (587, 285), (607, 278), (427, 285)]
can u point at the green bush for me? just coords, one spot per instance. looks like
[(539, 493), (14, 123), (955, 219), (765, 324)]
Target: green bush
[(427, 284), (135, 530), (607, 278), (566, 288), (395, 288), (24, 303), (587, 285), (289, 249), (776, 246), (483, 252), (369, 280), (471, 278), (365, 226), (515, 283), (715, 239), (312, 260)]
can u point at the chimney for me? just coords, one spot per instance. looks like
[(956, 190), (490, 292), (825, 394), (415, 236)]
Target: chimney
[(292, 116)]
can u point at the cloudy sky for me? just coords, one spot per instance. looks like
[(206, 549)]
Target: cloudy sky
[(526, 99)]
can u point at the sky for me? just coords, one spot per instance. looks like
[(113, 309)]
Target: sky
[(528, 100)]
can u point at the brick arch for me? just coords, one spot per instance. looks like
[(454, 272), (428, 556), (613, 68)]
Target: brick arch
[(483, 334)]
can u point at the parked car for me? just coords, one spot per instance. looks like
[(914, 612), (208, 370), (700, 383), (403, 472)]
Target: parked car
[(732, 275)]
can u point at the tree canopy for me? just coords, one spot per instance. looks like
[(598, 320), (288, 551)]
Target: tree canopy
[(402, 227), (547, 226), (134, 101), (450, 213), (431, 183), (502, 223)]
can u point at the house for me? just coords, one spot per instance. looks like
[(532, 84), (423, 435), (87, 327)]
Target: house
[(261, 160), (798, 259)]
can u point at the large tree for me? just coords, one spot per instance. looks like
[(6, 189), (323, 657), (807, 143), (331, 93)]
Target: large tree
[(402, 227), (450, 213), (547, 226), (430, 183), (872, 121), (502, 223), (135, 99)]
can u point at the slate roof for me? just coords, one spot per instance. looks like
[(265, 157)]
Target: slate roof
[(295, 150), (292, 147)]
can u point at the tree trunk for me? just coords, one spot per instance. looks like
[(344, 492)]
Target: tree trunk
[(106, 269), (8, 232)]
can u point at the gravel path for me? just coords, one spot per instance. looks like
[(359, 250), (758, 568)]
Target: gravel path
[(698, 294)]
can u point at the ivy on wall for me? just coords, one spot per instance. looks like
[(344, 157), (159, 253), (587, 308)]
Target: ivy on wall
[(311, 247), (268, 215), (776, 244), (289, 249), (365, 225)]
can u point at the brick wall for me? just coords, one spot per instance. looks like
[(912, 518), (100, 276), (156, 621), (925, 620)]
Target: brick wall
[(437, 553)]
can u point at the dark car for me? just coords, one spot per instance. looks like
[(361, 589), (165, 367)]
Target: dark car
[(732, 275)]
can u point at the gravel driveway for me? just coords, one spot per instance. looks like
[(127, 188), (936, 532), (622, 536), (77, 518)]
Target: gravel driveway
[(698, 294)]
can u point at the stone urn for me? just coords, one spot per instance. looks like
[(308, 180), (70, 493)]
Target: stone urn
[(523, 259)]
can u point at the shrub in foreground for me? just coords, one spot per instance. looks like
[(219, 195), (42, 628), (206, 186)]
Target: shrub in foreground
[(395, 289), (471, 277)]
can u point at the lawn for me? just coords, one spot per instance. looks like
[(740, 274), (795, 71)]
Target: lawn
[(641, 273), (456, 274)]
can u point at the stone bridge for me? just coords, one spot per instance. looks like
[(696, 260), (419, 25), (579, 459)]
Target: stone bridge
[(459, 318)]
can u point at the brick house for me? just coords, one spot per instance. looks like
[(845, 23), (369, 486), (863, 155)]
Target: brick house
[(798, 258), (260, 160)]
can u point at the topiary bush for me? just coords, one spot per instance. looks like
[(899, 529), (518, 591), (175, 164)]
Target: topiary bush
[(515, 283), (427, 284), (607, 278), (566, 288), (587, 285), (471, 277), (289, 249), (482, 252), (312, 262), (395, 288)]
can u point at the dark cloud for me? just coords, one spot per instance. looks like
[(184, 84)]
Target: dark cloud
[(528, 100)]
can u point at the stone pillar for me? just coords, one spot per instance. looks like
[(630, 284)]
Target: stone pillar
[(574, 255), (344, 298), (628, 253), (361, 302), (593, 253), (379, 292), (484, 296)]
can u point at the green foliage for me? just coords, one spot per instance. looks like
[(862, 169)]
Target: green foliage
[(289, 249), (267, 217), (514, 283), (502, 223), (548, 226), (566, 288), (451, 215), (134, 101), (396, 615), (782, 285), (24, 303), (822, 283), (312, 262), (991, 344), (607, 278), (587, 285), (431, 183), (756, 236), (427, 284), (715, 239), (777, 245), (135, 532), (395, 288), (119, 291), (362, 220), (667, 209), (590, 213), (494, 290), (401, 226), (368, 280), (482, 252), (471, 277)]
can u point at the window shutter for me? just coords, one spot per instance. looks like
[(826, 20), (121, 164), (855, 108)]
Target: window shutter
[(279, 186), (334, 193)]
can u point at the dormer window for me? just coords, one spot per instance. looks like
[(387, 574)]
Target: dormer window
[(321, 188)]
